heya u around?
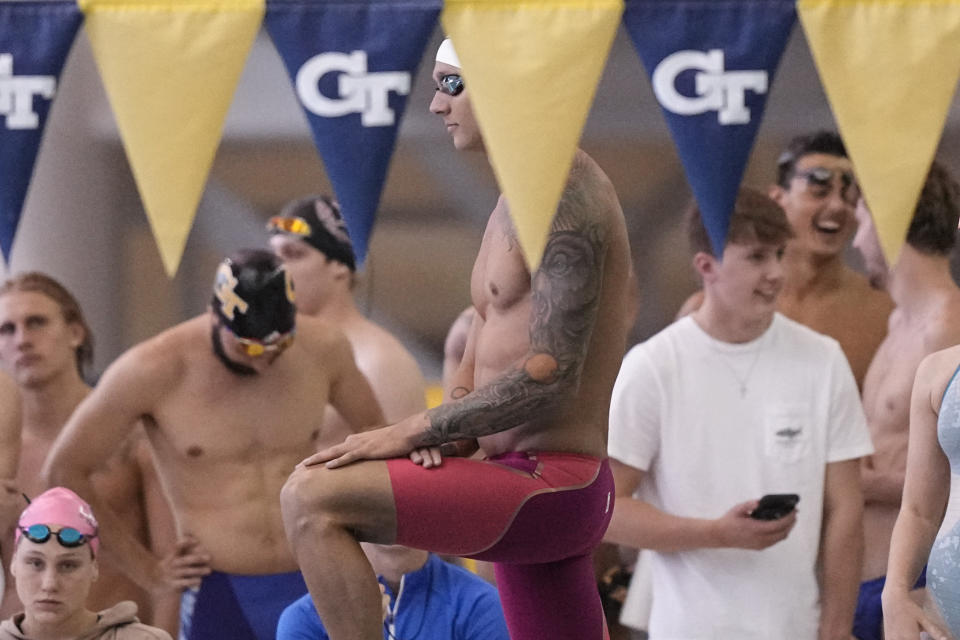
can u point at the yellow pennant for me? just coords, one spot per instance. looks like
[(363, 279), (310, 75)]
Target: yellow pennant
[(532, 68), (890, 68), (170, 68)]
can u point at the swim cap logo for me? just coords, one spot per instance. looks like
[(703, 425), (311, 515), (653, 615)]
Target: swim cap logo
[(224, 287), (88, 516), (360, 91), (716, 89), (16, 95)]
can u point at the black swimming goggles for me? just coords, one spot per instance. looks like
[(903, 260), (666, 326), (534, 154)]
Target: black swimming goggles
[(67, 536)]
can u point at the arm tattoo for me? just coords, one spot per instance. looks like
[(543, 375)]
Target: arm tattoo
[(565, 296)]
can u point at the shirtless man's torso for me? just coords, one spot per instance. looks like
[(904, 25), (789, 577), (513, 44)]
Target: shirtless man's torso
[(533, 389), (227, 417)]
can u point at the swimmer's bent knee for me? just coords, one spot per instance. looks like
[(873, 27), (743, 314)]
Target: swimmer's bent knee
[(310, 492)]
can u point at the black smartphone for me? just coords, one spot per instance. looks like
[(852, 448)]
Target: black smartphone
[(774, 506)]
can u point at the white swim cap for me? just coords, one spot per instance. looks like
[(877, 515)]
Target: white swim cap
[(447, 55)]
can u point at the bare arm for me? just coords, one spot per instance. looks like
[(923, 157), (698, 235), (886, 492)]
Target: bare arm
[(130, 389), (455, 352), (10, 418), (10, 427), (925, 495), (641, 525), (350, 391), (565, 296), (396, 381), (841, 548), (162, 530)]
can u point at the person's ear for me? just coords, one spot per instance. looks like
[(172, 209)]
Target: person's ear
[(77, 334), (777, 193), (706, 265)]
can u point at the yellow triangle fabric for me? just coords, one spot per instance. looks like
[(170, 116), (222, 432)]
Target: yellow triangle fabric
[(170, 68), (890, 70), (532, 67)]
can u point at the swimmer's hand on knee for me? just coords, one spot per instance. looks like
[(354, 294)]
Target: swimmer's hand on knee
[(394, 441)]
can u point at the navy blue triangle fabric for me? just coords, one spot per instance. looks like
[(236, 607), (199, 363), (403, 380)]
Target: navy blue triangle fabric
[(352, 63), (35, 38), (711, 64)]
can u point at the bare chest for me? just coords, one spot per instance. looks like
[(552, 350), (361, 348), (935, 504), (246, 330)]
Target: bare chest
[(500, 279), (858, 330), (889, 381), (238, 419)]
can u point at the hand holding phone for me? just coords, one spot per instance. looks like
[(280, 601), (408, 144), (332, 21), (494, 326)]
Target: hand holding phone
[(774, 506)]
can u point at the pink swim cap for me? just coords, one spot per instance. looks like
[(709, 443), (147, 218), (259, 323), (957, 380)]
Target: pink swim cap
[(59, 507)]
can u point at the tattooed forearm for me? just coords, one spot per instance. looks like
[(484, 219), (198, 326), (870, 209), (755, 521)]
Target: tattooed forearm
[(565, 296)]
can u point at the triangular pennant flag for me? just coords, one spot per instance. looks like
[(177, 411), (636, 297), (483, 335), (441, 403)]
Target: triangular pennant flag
[(170, 68), (532, 67), (890, 70), (35, 38), (352, 63), (711, 64)]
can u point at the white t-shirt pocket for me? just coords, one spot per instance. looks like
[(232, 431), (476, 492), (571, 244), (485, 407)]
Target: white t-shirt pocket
[(787, 432)]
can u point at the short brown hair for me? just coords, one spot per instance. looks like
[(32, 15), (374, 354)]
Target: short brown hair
[(37, 282), (756, 218), (933, 229)]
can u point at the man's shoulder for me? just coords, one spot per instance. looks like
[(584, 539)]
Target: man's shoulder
[(589, 186), (938, 368), (319, 333), (371, 340), (170, 349), (803, 339), (941, 329)]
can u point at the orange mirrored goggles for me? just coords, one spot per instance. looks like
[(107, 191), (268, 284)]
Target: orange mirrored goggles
[(296, 226), (256, 348)]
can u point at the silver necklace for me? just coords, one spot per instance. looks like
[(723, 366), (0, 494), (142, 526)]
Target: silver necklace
[(742, 381)]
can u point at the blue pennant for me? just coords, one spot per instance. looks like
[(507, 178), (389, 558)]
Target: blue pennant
[(352, 63), (711, 64), (35, 38)]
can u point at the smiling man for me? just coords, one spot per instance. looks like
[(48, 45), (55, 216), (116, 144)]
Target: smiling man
[(819, 193), (727, 404), (231, 400)]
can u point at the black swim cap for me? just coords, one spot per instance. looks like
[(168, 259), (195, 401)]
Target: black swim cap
[(253, 295), (324, 228)]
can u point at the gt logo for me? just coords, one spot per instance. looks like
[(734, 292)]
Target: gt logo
[(224, 287), (716, 89), (16, 95), (360, 92)]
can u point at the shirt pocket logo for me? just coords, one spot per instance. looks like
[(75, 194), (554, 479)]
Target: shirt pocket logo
[(787, 432)]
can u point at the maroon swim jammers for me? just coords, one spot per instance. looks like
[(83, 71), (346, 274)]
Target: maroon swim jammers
[(537, 515)]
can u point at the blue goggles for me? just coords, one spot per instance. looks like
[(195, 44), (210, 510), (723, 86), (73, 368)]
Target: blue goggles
[(67, 536)]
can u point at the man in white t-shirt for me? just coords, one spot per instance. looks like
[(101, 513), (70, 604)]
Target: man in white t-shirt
[(725, 405)]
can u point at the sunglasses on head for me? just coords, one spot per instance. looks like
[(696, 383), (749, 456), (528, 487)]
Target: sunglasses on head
[(296, 226), (67, 536), (821, 179), (451, 84), (256, 348)]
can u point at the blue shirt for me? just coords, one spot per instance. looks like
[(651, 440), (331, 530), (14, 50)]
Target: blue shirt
[(439, 601)]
